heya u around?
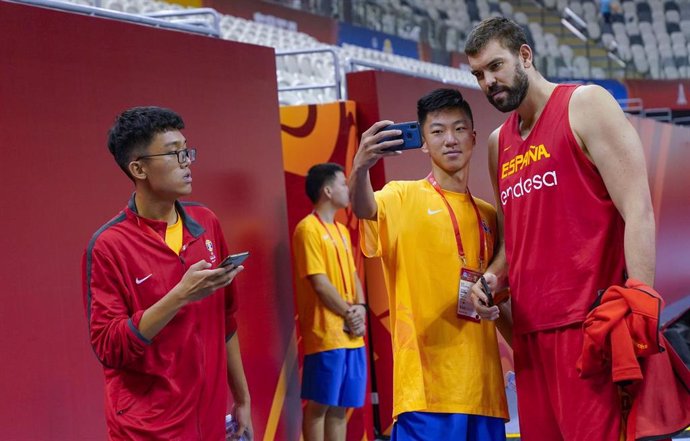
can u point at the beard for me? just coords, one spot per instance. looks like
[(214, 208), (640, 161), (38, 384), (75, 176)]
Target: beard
[(514, 94)]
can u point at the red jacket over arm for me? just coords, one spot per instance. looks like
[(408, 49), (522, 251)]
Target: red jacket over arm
[(622, 339)]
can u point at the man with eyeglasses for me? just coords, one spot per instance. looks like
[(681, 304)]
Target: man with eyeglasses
[(160, 311)]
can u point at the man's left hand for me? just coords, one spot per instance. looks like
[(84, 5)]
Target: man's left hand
[(480, 299), (242, 414), (356, 319)]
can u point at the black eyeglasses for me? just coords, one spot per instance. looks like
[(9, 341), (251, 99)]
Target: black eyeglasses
[(183, 155)]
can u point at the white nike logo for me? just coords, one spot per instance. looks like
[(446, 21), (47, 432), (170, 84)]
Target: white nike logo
[(140, 281), (430, 211)]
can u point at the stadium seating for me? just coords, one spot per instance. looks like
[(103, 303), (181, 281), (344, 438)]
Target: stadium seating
[(301, 77), (653, 37)]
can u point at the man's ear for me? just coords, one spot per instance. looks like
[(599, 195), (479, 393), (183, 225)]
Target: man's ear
[(136, 169), (425, 149), (525, 56)]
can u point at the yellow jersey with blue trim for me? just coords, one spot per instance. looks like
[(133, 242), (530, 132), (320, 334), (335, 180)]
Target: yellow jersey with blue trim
[(441, 362)]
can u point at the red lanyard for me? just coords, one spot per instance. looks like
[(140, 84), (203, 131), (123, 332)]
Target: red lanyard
[(340, 263), (456, 227)]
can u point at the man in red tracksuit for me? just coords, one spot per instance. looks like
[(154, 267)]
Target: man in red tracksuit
[(160, 311)]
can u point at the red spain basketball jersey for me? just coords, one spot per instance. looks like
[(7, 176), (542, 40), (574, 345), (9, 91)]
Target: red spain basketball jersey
[(563, 234)]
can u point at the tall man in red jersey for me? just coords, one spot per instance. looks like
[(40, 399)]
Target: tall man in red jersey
[(160, 320), (571, 188)]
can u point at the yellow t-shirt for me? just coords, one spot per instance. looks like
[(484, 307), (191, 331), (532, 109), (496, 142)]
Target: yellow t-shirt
[(315, 253), (173, 235), (441, 363)]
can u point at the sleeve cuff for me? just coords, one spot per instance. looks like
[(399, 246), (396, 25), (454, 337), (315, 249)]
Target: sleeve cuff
[(230, 326), (369, 240), (231, 335), (136, 332)]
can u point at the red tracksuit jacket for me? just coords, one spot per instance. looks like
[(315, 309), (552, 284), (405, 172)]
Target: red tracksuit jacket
[(622, 339), (175, 386)]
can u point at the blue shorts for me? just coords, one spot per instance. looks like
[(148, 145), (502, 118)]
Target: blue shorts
[(423, 426), (335, 378)]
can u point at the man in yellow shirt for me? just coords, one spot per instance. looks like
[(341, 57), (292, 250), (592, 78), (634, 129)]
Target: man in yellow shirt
[(331, 309), (435, 239)]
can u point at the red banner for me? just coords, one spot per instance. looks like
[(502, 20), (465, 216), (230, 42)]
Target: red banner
[(60, 94), (671, 94)]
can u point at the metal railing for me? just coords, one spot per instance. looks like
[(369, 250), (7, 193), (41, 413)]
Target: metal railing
[(576, 25), (192, 17), (352, 63), (631, 103), (133, 18), (682, 120), (662, 114), (337, 84), (635, 106)]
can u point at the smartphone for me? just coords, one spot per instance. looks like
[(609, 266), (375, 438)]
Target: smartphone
[(411, 136), (235, 259), (487, 291)]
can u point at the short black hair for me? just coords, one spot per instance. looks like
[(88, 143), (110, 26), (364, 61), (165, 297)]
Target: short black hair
[(318, 176), (508, 33), (135, 128), (442, 99)]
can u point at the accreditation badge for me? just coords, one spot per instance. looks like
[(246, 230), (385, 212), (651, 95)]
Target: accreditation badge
[(465, 306)]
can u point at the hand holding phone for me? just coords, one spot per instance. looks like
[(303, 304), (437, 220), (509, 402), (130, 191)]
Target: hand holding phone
[(234, 259), (411, 136)]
